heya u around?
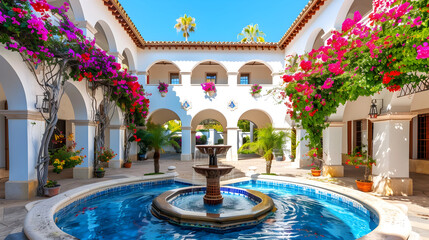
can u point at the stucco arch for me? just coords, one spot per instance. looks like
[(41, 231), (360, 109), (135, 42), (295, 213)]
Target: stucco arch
[(163, 115), (77, 10), (12, 86), (104, 29), (259, 61), (209, 66), (350, 5), (313, 38), (128, 56), (80, 101), (208, 114), (159, 71), (258, 116), (209, 60), (162, 60)]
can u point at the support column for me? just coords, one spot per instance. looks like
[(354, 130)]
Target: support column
[(117, 139), (85, 133), (142, 79), (301, 160), (186, 144), (391, 151), (88, 30), (240, 138), (25, 134), (232, 78), (251, 131), (332, 146), (193, 141), (211, 138), (186, 78), (232, 133)]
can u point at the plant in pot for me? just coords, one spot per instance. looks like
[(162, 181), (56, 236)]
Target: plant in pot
[(128, 164), (99, 172), (105, 155), (163, 89), (365, 184), (316, 164), (268, 140), (256, 90), (52, 188), (209, 88), (142, 143)]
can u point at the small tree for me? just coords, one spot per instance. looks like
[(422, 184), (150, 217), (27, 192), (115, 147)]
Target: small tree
[(268, 139), (157, 138)]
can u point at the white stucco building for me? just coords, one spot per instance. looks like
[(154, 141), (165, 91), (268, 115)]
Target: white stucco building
[(395, 139)]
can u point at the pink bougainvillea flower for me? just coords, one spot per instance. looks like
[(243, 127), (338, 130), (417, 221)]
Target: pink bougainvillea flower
[(347, 25), (305, 65), (287, 78), (308, 108), (336, 68), (423, 51), (328, 83)]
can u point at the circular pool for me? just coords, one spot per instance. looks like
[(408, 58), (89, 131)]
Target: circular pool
[(303, 212)]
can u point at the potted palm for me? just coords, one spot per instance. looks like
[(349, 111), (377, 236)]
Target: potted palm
[(52, 188), (365, 184), (163, 89), (157, 138), (209, 88), (268, 140)]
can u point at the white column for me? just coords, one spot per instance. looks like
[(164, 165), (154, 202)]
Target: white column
[(391, 151), (211, 138), (193, 141), (186, 144), (88, 30), (301, 159), (84, 137), (240, 137), (251, 131), (232, 78), (142, 79), (186, 78), (24, 142), (232, 133), (332, 146), (117, 139)]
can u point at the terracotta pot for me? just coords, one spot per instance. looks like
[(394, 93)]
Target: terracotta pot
[(50, 192), (315, 173), (163, 94), (364, 186), (211, 93), (127, 164), (99, 174)]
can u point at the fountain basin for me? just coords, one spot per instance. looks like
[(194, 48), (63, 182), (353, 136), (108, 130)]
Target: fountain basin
[(213, 173), (163, 208)]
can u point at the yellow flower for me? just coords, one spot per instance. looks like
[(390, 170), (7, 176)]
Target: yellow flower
[(63, 162), (60, 167), (57, 161), (70, 137)]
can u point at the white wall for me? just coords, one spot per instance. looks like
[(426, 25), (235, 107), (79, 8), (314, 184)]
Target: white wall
[(258, 74)]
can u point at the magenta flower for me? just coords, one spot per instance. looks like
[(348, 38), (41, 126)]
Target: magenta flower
[(423, 51), (328, 83)]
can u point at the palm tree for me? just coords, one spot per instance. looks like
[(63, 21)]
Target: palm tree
[(186, 24), (157, 138), (251, 33), (268, 140)]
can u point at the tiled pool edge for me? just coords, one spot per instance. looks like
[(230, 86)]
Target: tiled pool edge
[(39, 223), (393, 222)]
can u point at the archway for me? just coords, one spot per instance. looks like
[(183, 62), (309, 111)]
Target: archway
[(163, 71), (209, 71), (128, 61), (255, 72), (315, 41), (104, 37), (348, 9)]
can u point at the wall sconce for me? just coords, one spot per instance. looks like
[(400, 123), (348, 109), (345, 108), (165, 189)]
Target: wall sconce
[(373, 110), (42, 102)]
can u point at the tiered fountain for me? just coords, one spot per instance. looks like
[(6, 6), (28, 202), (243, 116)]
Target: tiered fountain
[(242, 208)]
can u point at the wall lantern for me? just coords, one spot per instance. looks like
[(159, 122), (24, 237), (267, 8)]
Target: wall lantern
[(373, 110), (42, 102)]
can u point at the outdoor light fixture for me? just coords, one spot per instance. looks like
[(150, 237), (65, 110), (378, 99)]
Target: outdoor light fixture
[(373, 110), (42, 104)]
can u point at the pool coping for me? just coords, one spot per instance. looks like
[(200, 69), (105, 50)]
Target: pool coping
[(393, 222), (39, 223)]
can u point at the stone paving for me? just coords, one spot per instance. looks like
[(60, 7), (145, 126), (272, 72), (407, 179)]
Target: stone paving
[(12, 212)]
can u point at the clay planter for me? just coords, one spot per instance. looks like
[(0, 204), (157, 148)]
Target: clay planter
[(364, 186), (127, 164), (163, 94), (99, 174), (315, 173), (50, 192), (211, 93)]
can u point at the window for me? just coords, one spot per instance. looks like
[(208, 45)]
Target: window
[(423, 137), (244, 78), (174, 78), (358, 133), (211, 77)]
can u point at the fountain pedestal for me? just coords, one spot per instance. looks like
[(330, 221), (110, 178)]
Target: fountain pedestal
[(213, 172)]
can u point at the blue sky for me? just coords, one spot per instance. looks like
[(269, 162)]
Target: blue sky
[(217, 20)]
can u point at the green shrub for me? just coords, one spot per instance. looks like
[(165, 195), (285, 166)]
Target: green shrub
[(246, 139), (201, 140), (220, 141)]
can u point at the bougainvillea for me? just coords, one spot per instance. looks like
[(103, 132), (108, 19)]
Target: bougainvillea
[(388, 50)]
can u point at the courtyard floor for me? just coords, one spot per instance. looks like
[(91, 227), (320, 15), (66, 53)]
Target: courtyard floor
[(12, 212)]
